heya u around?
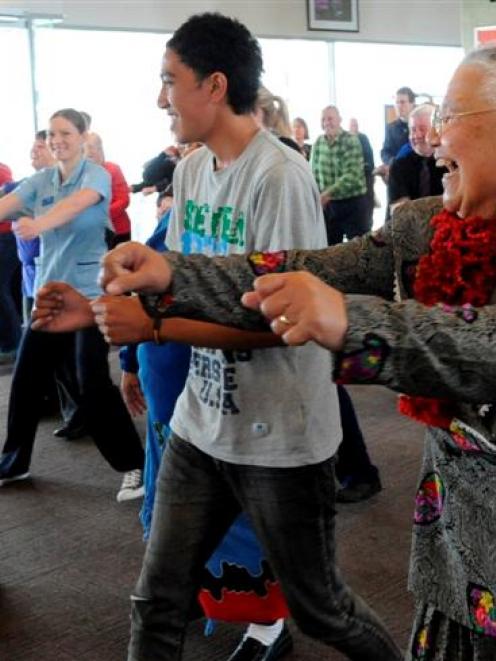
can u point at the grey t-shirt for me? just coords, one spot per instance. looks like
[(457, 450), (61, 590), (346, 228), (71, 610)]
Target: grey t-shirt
[(265, 407)]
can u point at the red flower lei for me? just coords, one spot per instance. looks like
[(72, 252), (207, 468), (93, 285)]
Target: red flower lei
[(459, 269)]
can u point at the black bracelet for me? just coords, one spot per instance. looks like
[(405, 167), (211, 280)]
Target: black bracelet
[(157, 325)]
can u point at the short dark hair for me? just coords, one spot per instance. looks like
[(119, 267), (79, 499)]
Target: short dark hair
[(40, 135), (407, 91), (72, 116), (211, 42)]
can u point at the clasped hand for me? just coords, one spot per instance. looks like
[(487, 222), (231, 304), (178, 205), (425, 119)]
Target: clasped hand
[(300, 308), (129, 267), (120, 319), (25, 228)]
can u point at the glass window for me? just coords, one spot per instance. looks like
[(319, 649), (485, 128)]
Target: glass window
[(16, 108), (114, 76), (287, 63)]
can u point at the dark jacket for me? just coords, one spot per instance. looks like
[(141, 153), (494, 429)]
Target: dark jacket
[(405, 178), (396, 136)]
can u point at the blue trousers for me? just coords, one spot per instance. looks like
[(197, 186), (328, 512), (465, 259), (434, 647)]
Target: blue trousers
[(292, 513), (162, 372)]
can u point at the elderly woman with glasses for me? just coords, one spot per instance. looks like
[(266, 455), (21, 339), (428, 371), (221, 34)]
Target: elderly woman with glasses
[(425, 328)]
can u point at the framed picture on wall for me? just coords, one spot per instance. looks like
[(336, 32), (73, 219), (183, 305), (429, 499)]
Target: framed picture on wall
[(333, 15)]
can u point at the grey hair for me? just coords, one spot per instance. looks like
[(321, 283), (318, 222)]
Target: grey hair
[(485, 58), (424, 109)]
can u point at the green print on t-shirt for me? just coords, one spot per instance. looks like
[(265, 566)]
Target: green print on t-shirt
[(220, 224)]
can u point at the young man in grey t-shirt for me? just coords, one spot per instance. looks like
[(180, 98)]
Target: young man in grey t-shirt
[(256, 430)]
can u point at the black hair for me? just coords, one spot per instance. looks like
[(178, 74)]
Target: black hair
[(72, 116), (41, 135), (210, 42), (407, 91)]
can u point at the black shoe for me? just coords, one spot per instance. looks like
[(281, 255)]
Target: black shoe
[(354, 493), (250, 649), (71, 433)]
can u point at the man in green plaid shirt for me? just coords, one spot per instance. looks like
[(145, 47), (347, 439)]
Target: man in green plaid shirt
[(338, 166)]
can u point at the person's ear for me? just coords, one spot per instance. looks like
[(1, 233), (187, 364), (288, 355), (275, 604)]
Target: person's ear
[(218, 86)]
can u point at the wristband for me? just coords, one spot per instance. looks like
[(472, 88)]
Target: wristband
[(157, 325)]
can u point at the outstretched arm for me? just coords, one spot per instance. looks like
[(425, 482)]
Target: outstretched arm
[(122, 320), (60, 214), (210, 289), (9, 205), (407, 346)]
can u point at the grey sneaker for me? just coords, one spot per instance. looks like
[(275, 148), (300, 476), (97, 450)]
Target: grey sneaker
[(132, 486)]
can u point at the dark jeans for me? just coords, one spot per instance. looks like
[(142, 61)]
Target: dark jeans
[(348, 218), (292, 513), (10, 320), (68, 392), (63, 390), (353, 465), (107, 419)]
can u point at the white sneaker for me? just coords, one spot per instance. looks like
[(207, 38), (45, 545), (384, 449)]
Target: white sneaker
[(6, 479), (132, 486)]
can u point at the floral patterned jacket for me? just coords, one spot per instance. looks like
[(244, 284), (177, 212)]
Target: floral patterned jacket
[(392, 339)]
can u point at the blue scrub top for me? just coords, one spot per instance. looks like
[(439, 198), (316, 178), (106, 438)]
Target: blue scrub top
[(70, 253)]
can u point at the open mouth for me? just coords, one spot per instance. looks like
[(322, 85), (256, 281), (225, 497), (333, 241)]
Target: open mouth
[(451, 166)]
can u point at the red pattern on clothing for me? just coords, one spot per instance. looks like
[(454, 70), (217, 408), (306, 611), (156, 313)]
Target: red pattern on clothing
[(245, 606), (459, 269)]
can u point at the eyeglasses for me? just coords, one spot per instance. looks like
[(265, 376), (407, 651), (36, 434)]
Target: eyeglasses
[(438, 120)]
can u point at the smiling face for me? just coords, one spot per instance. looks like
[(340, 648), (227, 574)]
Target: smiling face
[(467, 145), (420, 127), (331, 122), (65, 141), (186, 99), (41, 156)]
